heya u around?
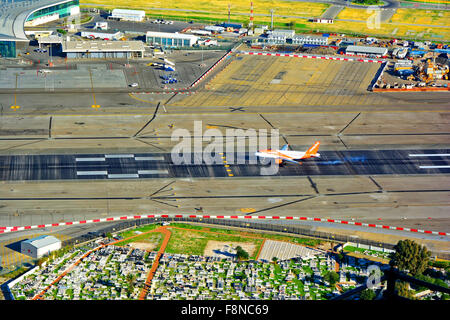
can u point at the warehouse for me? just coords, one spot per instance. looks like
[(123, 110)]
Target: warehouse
[(170, 40), (40, 246), (366, 51), (128, 15), (103, 49)]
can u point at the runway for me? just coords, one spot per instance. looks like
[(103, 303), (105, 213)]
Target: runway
[(160, 165)]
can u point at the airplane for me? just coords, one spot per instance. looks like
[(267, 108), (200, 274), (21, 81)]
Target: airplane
[(162, 66), (169, 62), (168, 68), (284, 154)]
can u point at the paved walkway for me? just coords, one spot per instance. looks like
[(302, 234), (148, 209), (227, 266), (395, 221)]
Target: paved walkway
[(152, 271)]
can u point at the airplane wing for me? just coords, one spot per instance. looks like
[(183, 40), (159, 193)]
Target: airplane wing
[(296, 162)]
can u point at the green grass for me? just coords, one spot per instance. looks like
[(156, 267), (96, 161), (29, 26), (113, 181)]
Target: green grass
[(186, 242), (361, 250), (131, 232)]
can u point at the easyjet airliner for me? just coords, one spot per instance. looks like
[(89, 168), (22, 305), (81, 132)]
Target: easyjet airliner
[(288, 155)]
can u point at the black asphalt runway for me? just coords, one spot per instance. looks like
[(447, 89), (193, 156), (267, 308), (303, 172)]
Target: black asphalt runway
[(159, 165)]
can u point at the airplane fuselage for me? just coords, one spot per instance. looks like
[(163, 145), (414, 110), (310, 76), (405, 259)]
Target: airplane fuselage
[(287, 154)]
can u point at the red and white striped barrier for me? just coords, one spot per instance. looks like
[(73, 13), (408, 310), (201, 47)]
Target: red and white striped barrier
[(17, 228), (186, 90), (164, 92), (210, 69), (308, 56)]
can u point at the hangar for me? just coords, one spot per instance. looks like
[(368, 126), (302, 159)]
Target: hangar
[(40, 246)]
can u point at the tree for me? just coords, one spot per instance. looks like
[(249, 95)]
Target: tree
[(331, 277), (410, 256), (241, 253), (403, 290), (274, 259), (367, 294)]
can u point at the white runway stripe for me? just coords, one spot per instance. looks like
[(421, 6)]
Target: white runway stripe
[(91, 173), (122, 176), (119, 155), (430, 155), (153, 172), (90, 159), (148, 158), (434, 167)]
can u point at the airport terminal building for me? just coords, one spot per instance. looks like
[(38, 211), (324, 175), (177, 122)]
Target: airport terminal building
[(170, 40), (14, 16), (103, 49)]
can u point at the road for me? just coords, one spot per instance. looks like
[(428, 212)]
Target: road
[(159, 165)]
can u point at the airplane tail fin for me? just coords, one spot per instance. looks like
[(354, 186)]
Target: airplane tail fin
[(313, 150)]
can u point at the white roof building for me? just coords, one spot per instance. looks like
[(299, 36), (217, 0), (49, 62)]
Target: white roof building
[(130, 15), (365, 50), (103, 49), (39, 246)]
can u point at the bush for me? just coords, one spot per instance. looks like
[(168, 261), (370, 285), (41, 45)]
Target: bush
[(331, 277), (241, 253), (367, 294)]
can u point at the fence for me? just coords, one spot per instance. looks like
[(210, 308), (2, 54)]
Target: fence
[(274, 226)]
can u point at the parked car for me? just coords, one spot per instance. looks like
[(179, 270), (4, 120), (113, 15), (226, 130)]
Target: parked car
[(134, 85)]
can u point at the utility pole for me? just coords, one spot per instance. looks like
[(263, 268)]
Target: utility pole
[(229, 12), (271, 18)]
